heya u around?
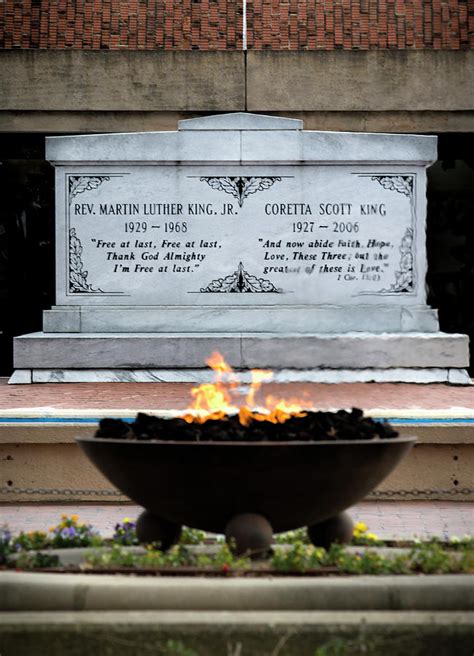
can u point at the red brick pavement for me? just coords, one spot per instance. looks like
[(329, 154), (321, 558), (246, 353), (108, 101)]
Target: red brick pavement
[(177, 395)]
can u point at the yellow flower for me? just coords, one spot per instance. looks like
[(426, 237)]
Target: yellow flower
[(74, 518), (360, 527), (126, 520), (63, 516), (372, 536), (52, 529)]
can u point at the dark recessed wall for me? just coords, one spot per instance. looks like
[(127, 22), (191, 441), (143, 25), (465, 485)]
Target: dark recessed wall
[(450, 234), (26, 239)]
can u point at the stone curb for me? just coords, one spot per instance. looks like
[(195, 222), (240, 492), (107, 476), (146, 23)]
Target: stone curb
[(22, 591)]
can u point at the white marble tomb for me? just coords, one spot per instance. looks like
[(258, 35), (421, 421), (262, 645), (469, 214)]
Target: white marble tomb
[(280, 247)]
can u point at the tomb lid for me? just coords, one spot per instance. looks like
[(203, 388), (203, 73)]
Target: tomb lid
[(250, 139), (240, 121)]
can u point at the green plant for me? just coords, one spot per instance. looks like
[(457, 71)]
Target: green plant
[(360, 646), (466, 543), (432, 558), (226, 562), (36, 559), (466, 562), (301, 557), (177, 648), (298, 557), (400, 564), (366, 562), (177, 556), (292, 537), (117, 556), (331, 557), (192, 536), (6, 547), (32, 541)]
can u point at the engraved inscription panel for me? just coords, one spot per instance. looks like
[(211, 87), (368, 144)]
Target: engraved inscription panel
[(194, 235)]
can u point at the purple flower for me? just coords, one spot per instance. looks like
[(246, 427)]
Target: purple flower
[(68, 532), (5, 536)]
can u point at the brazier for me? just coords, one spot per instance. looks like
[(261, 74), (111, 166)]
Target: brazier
[(205, 485)]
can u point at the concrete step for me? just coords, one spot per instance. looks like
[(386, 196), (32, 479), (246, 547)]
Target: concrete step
[(238, 633)]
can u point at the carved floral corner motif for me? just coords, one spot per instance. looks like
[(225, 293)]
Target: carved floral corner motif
[(401, 183), (240, 187), (80, 183), (77, 276), (240, 281), (405, 276), (404, 279)]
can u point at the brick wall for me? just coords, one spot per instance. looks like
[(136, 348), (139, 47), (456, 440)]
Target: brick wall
[(217, 24)]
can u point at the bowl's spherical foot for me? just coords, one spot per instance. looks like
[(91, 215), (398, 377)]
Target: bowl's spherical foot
[(335, 529), (151, 528), (249, 534)]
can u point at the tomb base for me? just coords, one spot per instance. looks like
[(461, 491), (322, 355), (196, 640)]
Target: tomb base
[(210, 319), (180, 357)]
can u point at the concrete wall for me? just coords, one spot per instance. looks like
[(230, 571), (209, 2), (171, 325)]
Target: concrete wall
[(45, 458), (119, 81), (361, 81), (80, 91)]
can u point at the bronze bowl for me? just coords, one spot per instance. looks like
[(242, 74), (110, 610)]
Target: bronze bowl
[(205, 485)]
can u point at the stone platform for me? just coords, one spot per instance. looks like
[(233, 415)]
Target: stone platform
[(319, 357)]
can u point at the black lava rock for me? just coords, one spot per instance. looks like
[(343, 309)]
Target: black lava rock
[(314, 427)]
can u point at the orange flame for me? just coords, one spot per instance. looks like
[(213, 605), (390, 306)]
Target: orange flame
[(215, 400)]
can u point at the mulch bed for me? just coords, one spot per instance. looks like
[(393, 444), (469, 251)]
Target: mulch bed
[(182, 571)]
